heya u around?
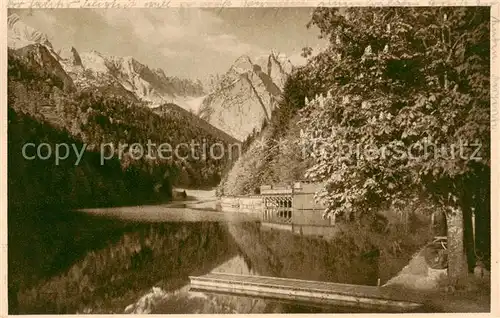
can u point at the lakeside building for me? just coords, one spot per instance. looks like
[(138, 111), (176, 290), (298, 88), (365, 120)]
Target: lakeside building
[(289, 207), (293, 204)]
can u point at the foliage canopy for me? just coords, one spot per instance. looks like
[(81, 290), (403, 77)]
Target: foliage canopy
[(408, 105)]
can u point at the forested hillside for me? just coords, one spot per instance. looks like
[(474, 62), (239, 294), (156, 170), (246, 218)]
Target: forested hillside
[(272, 155), (37, 183), (94, 118)]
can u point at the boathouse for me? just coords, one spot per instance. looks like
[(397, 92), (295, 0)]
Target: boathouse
[(289, 207), (293, 207)]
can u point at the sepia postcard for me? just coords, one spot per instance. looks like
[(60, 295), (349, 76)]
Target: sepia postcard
[(171, 157)]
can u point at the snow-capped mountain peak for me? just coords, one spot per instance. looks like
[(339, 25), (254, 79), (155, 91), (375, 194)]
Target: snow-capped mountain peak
[(94, 61), (20, 34), (124, 76), (243, 99), (70, 56)]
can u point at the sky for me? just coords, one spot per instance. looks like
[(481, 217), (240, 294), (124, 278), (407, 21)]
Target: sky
[(189, 43)]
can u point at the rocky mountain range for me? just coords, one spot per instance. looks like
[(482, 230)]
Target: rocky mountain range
[(119, 75), (242, 99), (247, 94)]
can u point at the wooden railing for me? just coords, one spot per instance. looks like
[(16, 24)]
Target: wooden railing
[(278, 208)]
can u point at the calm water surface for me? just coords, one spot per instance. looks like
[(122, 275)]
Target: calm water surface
[(74, 262)]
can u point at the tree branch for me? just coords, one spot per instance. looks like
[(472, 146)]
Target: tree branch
[(454, 46), (425, 44)]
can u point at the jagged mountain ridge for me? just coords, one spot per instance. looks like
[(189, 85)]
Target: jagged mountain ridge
[(21, 35), (245, 97), (247, 94), (38, 55), (123, 76)]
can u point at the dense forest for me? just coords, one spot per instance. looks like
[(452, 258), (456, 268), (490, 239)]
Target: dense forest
[(96, 118), (36, 183)]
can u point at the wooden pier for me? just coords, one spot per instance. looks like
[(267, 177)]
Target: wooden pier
[(304, 291)]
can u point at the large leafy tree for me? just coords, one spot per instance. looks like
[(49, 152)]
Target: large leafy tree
[(408, 105)]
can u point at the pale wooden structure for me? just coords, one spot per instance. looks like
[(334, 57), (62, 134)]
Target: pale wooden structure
[(305, 292), (293, 204)]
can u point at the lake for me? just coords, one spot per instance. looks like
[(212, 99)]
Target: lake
[(116, 260)]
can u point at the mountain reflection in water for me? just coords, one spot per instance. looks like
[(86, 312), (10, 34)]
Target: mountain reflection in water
[(92, 264)]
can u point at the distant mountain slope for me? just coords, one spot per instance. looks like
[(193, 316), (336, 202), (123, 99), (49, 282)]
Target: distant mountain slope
[(151, 86), (124, 76), (38, 86), (246, 95), (174, 111), (19, 34), (39, 56)]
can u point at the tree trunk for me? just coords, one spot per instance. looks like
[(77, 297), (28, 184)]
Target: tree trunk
[(469, 238), (457, 259)]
